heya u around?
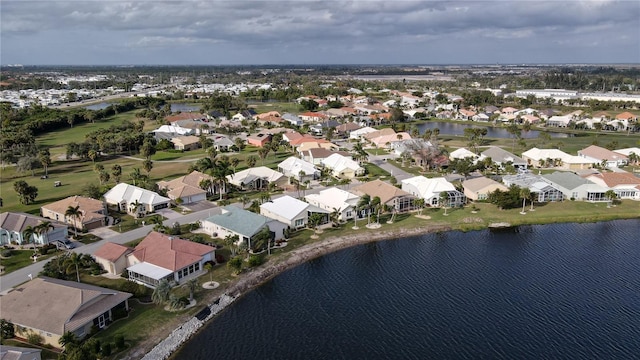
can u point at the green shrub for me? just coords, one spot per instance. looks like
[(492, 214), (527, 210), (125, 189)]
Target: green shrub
[(255, 260), (106, 349), (6, 253), (35, 339), (119, 342)]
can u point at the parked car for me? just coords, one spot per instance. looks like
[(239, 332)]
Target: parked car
[(64, 244)]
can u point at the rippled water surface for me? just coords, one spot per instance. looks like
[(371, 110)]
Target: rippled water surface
[(564, 291)]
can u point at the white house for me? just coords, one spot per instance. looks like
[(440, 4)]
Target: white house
[(343, 166), (462, 153), (333, 199), (291, 211), (14, 226), (135, 200), (299, 169), (360, 133), (430, 189), (257, 178), (575, 187)]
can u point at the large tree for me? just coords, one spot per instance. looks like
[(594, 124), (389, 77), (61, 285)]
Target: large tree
[(26, 193)]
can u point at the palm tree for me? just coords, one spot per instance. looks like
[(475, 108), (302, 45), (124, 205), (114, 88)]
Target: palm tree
[(27, 236), (611, 195), (314, 221), (363, 204), (443, 199), (206, 184), (251, 160), (135, 175), (116, 172), (68, 338), (134, 207), (43, 230), (192, 285), (532, 198), (147, 165), (209, 269), (420, 204), (376, 204), (161, 293), (221, 170), (525, 193), (74, 213), (335, 217), (72, 263)]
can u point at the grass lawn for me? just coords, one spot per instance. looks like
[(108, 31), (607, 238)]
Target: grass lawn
[(77, 133), (74, 175), (22, 258), (281, 107), (374, 171)]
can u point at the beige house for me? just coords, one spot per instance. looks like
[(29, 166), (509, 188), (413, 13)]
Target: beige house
[(112, 257), (188, 187), (93, 212), (19, 353), (186, 143), (479, 188), (390, 195), (51, 307)]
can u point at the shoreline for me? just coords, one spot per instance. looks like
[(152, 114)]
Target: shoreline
[(256, 277)]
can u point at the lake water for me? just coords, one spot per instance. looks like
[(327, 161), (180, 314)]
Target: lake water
[(182, 107), (98, 106), (562, 291), (448, 128)]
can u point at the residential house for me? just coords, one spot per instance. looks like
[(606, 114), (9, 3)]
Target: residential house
[(335, 199), (360, 133), (464, 114), (186, 116), (536, 184), (625, 185), (317, 143), (245, 224), (575, 187), (628, 153), (342, 166), (188, 188), (221, 143), (604, 157), (93, 213), (385, 141), (14, 225), (502, 157), (292, 212), (559, 120), (292, 119), (409, 145), (162, 257), (479, 188), (112, 257), (170, 131), (186, 143), (52, 307), (315, 156), (257, 178), (554, 158), (399, 200), (312, 116), (430, 190), (134, 200), (258, 139), (482, 117), (244, 115), (463, 153), (321, 128), (299, 169)]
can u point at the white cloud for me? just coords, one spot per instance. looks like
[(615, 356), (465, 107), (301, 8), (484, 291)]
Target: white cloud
[(301, 25)]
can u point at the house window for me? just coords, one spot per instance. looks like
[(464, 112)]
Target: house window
[(349, 213), (482, 196), (299, 222)]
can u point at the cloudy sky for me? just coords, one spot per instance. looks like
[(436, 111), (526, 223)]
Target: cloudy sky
[(106, 32)]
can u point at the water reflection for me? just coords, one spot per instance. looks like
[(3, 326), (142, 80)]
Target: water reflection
[(448, 128)]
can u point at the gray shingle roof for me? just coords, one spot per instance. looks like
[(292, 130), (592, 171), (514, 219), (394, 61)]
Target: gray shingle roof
[(240, 221), (567, 180)]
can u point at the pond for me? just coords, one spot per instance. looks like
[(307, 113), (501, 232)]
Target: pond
[(449, 128)]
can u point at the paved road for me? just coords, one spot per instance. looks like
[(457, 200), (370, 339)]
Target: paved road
[(19, 276)]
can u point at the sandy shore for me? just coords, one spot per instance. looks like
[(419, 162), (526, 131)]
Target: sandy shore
[(258, 276)]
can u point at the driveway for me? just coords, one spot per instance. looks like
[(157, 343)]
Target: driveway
[(199, 206), (104, 232)]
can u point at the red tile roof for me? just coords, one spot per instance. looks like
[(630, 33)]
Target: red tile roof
[(112, 251), (169, 252)]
